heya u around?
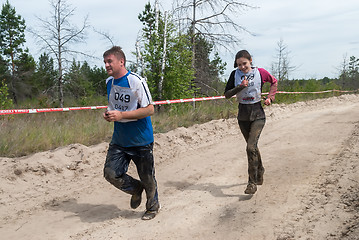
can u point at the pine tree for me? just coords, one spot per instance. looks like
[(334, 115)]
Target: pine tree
[(12, 38), (12, 34), (45, 76)]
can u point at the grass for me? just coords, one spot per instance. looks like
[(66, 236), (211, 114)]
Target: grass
[(26, 134), (29, 133), (185, 115)]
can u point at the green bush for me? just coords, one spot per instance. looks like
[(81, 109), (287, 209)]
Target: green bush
[(5, 101)]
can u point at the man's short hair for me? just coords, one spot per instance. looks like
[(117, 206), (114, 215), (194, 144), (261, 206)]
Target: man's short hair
[(117, 52)]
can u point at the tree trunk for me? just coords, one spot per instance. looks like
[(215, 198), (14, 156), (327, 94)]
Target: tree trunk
[(193, 42), (61, 92)]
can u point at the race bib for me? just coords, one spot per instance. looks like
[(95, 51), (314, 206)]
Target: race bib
[(252, 93), (122, 99)]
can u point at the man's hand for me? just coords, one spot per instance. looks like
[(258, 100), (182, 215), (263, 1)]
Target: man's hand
[(112, 116)]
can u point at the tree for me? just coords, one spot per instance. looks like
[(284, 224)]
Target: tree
[(211, 26), (208, 72), (354, 72), (353, 65), (343, 75), (12, 33), (44, 76), (281, 67), (57, 35), (12, 38), (177, 72), (349, 73), (25, 70), (96, 75), (77, 82), (211, 20)]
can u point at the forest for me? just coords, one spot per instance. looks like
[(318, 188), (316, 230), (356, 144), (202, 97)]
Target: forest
[(178, 61)]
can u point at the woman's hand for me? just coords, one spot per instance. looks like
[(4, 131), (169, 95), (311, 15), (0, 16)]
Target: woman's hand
[(244, 82), (267, 101)]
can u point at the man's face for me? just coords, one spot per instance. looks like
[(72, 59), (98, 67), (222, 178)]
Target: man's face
[(113, 65)]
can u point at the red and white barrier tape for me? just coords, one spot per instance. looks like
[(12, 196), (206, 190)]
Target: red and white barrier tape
[(44, 110), (315, 92), (187, 100)]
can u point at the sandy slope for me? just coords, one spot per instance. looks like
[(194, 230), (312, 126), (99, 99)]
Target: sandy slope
[(310, 191)]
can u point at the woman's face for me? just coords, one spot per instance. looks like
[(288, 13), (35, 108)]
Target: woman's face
[(244, 64)]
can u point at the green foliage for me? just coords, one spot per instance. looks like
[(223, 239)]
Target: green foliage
[(311, 85), (13, 57), (208, 72), (97, 78), (354, 72), (25, 63), (184, 115), (353, 66), (76, 82), (147, 17), (4, 71), (349, 76), (44, 76), (5, 101), (177, 75), (23, 79), (180, 79), (178, 72), (12, 33), (83, 82)]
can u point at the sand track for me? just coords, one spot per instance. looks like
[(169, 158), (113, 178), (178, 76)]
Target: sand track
[(310, 151)]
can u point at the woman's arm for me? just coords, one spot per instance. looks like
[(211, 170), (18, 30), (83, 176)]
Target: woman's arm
[(267, 77), (230, 89), (230, 93)]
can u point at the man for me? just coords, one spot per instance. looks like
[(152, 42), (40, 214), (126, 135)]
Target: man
[(130, 107)]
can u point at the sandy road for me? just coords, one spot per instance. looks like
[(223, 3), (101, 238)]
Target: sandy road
[(310, 191)]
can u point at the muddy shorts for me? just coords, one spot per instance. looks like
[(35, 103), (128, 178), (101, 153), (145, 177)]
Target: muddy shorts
[(116, 167)]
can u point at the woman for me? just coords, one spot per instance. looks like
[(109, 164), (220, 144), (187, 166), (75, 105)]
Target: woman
[(246, 83)]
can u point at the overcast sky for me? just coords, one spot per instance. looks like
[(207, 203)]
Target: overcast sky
[(318, 33)]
